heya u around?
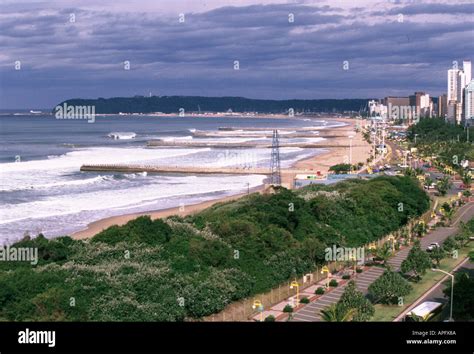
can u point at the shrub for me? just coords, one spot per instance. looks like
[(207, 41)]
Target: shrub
[(389, 287), (288, 309), (340, 168), (358, 270), (304, 300), (269, 318), (346, 276), (333, 283), (141, 229), (319, 291)]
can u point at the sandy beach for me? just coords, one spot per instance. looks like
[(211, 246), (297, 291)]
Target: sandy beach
[(322, 162)]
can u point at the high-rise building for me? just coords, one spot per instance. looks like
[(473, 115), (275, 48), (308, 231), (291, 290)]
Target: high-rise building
[(453, 84), (421, 102), (442, 110), (466, 67), (469, 103), (457, 81)]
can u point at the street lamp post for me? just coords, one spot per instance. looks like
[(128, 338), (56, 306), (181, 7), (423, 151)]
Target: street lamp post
[(325, 269), (392, 242), (257, 305), (452, 290), (294, 284)]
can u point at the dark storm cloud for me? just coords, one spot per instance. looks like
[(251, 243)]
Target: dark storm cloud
[(277, 59), (433, 8)]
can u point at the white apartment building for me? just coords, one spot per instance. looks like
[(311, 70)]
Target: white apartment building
[(453, 84), (466, 67), (469, 103), (457, 82), (425, 106), (377, 109)]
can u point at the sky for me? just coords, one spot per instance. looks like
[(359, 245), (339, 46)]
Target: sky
[(272, 49)]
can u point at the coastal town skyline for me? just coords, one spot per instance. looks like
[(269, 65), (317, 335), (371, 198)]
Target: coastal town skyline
[(283, 50)]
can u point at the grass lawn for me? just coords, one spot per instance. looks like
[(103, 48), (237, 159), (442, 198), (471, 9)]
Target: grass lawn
[(390, 312)]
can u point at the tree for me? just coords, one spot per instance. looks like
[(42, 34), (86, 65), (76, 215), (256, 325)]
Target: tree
[(418, 261), (443, 185), (335, 313), (383, 253), (389, 287), (419, 229), (410, 172), (340, 168), (419, 171), (463, 235), (450, 245), (354, 299), (437, 254), (448, 211), (428, 182), (463, 304)]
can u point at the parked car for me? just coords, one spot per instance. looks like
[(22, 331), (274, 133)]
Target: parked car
[(433, 246)]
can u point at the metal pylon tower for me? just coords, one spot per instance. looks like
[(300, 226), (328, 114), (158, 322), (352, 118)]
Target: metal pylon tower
[(275, 160)]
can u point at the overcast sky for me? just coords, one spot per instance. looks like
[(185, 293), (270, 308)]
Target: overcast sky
[(77, 49)]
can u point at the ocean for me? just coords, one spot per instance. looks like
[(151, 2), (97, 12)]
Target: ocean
[(42, 189)]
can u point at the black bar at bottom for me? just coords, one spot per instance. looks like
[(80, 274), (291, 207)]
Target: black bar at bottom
[(237, 337)]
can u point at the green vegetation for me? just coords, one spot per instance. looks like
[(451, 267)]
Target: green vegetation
[(437, 254), (351, 298), (319, 291), (304, 300), (187, 268), (172, 104), (444, 185), (466, 230), (383, 253), (343, 168), (335, 313), (463, 304), (417, 262), (388, 288), (448, 142), (288, 309), (390, 312)]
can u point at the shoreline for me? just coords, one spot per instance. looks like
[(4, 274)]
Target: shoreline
[(319, 162)]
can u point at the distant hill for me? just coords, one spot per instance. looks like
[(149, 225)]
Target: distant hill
[(170, 104)]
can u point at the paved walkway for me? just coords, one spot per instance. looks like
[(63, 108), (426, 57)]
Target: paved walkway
[(311, 312)]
